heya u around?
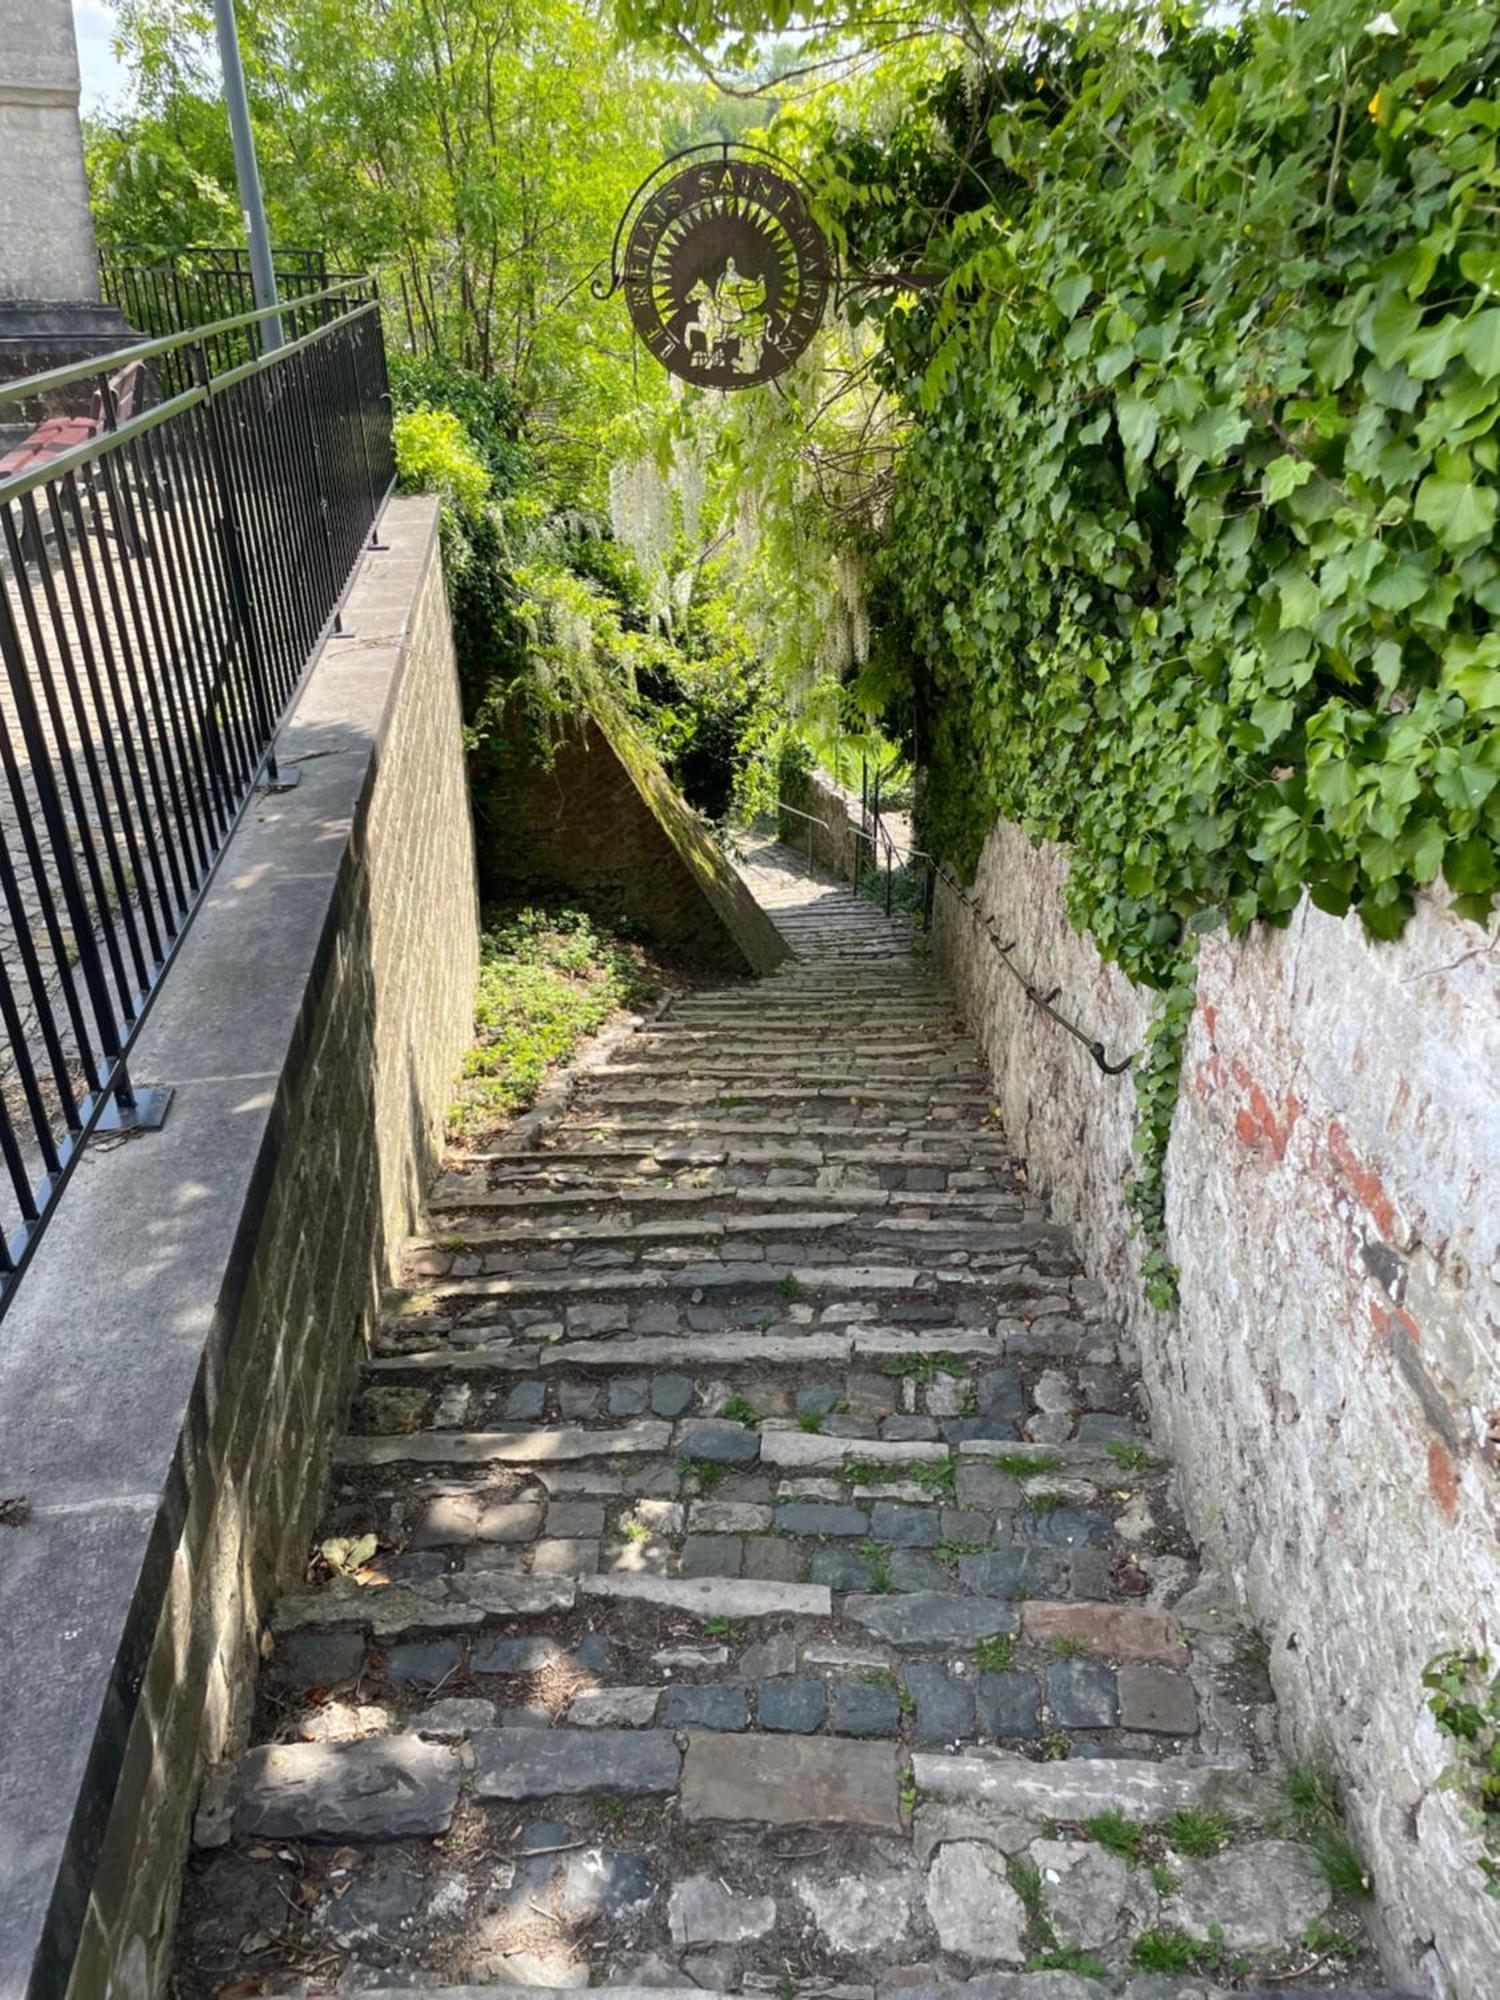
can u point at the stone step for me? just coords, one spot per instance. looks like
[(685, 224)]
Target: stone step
[(944, 1149), (925, 1236), (703, 1351), (862, 1283), (991, 1986), (455, 1195), (473, 1600), (984, 1143)]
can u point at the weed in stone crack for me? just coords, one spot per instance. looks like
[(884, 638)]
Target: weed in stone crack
[(789, 1287), (1023, 1464), (1026, 1879), (1318, 1818), (1129, 1457), (1045, 1503), (785, 1987), (909, 1796), (1195, 1833), (1053, 1747), (1068, 1648), (1164, 1881), (879, 1559), (722, 1628), (949, 1552), (1327, 1942), (1069, 1958), (907, 1703), (707, 1471), (1165, 1951), (729, 1101), (935, 1476), (739, 1410), (997, 1655), (634, 1531), (810, 1420), (1118, 1834), (924, 1369), (877, 1677)]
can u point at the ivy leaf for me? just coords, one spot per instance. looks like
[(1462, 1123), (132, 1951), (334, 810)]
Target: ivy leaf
[(1428, 353), (1272, 718), (1070, 293), (1391, 327), (1138, 424), (1458, 511), (1285, 474), (1470, 867), (1300, 599), (1481, 343)]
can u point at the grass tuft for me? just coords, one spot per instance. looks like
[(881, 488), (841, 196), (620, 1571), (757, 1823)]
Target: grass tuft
[(547, 980), (1118, 1834)]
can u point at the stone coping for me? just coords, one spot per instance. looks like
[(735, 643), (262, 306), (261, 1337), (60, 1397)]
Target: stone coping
[(111, 1355)]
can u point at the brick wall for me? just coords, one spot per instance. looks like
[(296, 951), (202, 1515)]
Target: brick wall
[(312, 1026), (1329, 1383), (601, 821)]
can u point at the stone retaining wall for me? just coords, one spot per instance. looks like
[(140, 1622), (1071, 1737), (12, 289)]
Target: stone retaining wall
[(1328, 1385), (180, 1354)]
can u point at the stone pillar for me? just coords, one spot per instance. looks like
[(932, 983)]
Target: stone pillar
[(50, 312)]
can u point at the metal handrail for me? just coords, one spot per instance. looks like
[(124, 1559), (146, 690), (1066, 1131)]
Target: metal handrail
[(939, 871), (164, 587), (52, 379)]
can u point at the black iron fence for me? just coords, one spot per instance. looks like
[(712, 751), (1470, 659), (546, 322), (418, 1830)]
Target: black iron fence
[(175, 541), (211, 289)]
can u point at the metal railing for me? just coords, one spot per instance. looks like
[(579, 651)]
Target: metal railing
[(212, 287), (876, 836), (167, 570)]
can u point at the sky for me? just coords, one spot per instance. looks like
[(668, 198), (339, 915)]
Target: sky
[(101, 74)]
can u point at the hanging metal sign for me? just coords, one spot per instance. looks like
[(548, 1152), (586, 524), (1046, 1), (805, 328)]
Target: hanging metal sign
[(725, 272)]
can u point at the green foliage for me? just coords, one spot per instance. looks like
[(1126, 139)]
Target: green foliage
[(1191, 542), (1129, 1457), (925, 1369), (740, 1410), (1464, 1699), (997, 1655), (878, 1556), (434, 455), (1118, 1833), (1023, 1464), (1317, 1815), (1217, 370), (1069, 1958), (546, 979), (1196, 1833)]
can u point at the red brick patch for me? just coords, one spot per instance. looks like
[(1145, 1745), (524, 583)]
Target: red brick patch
[(1116, 1631)]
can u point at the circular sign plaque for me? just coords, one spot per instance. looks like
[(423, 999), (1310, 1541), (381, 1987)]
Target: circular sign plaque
[(726, 274)]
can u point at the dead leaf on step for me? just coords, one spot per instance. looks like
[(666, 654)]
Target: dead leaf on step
[(254, 1941), (344, 1554), (15, 1511), (242, 1989)]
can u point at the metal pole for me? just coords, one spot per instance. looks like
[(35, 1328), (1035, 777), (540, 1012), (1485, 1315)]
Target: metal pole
[(253, 209)]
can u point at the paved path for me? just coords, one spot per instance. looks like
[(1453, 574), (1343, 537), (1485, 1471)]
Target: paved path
[(770, 1584)]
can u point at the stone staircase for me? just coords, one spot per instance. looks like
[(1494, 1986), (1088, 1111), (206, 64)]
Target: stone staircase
[(747, 1570)]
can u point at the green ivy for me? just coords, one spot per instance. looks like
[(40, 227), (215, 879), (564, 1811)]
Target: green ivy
[(1194, 537), (1464, 1699)]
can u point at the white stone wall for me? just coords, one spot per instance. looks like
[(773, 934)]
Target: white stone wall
[(46, 230), (1329, 1383)]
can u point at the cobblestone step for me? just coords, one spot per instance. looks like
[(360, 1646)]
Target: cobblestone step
[(747, 1569)]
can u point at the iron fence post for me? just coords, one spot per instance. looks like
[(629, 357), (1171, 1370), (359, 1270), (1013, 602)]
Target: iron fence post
[(241, 609)]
